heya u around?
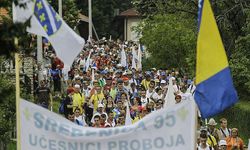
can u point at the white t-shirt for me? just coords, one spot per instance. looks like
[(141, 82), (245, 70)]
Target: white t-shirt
[(207, 148), (149, 94), (144, 101), (81, 119)]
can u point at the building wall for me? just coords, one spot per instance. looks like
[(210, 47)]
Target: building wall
[(132, 35)]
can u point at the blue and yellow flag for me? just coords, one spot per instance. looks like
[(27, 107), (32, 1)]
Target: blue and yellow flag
[(47, 23), (215, 91)]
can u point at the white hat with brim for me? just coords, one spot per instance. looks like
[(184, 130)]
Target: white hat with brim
[(212, 122), (222, 142)]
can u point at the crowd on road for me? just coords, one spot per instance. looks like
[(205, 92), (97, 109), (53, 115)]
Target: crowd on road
[(102, 85)]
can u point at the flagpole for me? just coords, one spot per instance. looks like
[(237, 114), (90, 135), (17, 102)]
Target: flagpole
[(90, 18), (60, 7), (17, 60), (40, 57)]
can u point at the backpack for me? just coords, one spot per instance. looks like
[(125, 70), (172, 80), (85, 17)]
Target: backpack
[(61, 107)]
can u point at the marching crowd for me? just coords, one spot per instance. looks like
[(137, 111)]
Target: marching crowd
[(102, 85)]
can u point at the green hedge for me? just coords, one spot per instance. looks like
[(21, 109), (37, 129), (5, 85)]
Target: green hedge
[(239, 117)]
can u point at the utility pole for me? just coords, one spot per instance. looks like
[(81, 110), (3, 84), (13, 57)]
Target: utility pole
[(40, 58), (60, 7), (90, 18)]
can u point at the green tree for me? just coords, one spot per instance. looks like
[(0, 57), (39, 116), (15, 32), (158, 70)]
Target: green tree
[(103, 14), (232, 18), (7, 108), (170, 40), (70, 11), (240, 62)]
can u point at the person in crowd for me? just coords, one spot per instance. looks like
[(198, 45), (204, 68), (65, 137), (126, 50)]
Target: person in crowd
[(178, 99), (71, 117), (224, 132), (97, 97), (80, 117), (151, 89), (110, 121), (78, 98), (68, 102), (100, 110), (56, 75), (145, 82), (143, 99), (211, 140), (222, 145), (159, 104), (97, 121), (203, 143), (212, 128), (43, 95), (234, 142), (103, 120)]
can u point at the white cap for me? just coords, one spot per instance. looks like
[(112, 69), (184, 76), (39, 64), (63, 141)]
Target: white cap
[(77, 86), (100, 105), (163, 81), (222, 142)]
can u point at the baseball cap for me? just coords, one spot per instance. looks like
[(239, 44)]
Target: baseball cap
[(222, 142), (100, 105), (203, 129), (163, 81), (77, 86)]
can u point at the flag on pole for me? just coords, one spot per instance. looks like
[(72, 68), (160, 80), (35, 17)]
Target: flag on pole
[(128, 120), (133, 57), (139, 55), (123, 57), (87, 64), (170, 97), (214, 91), (47, 23)]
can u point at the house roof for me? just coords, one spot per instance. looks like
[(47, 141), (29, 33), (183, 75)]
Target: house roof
[(3, 12), (83, 17), (130, 13)]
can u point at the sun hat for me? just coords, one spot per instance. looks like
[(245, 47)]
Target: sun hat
[(212, 122)]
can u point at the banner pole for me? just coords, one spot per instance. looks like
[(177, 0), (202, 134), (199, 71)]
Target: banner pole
[(17, 60)]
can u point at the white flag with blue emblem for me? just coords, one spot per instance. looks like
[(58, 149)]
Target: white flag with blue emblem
[(47, 23)]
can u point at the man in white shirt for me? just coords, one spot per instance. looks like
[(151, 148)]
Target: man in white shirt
[(203, 145), (224, 132)]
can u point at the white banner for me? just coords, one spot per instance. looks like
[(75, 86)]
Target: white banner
[(166, 129)]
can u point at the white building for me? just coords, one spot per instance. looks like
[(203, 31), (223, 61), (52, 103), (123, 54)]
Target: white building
[(131, 19)]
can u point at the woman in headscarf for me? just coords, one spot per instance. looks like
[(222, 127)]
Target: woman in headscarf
[(234, 142)]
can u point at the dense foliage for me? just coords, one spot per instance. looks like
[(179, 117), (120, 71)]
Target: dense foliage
[(103, 14), (7, 108), (169, 30)]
